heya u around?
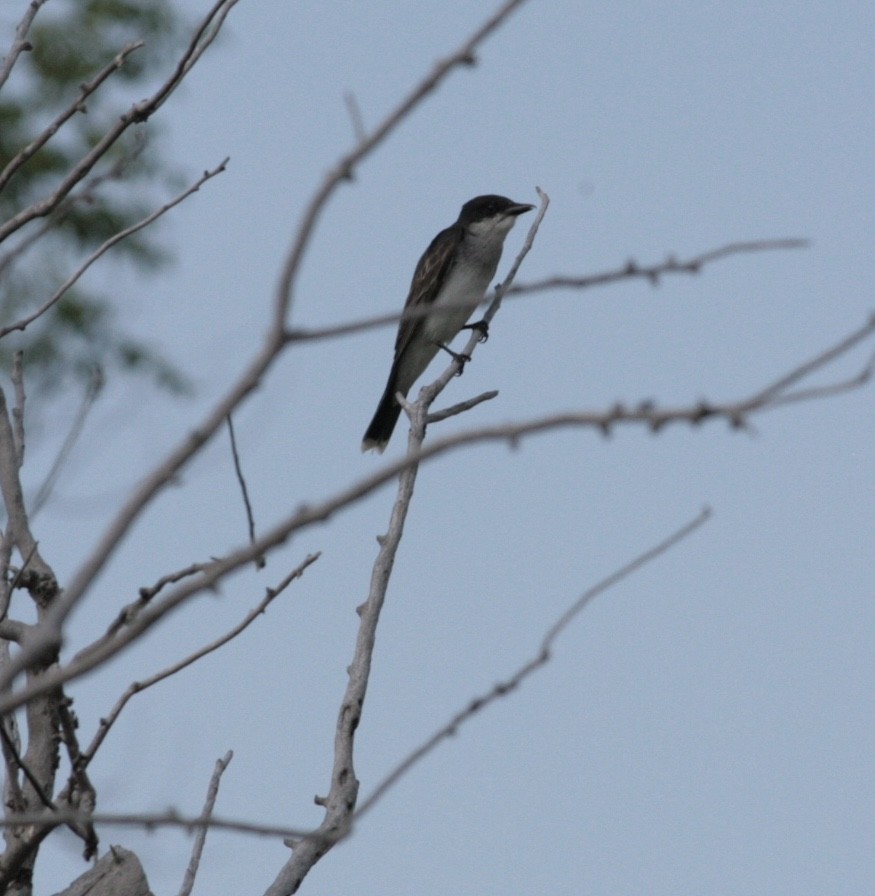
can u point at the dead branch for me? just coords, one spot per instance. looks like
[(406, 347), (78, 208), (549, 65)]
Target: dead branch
[(138, 113), (62, 290), (654, 273), (632, 270), (540, 659), (20, 44), (139, 686), (201, 834), (78, 105)]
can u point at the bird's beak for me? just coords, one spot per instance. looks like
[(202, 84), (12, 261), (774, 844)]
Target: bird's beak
[(519, 209)]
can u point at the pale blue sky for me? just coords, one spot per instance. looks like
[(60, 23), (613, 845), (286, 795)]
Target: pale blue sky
[(704, 728)]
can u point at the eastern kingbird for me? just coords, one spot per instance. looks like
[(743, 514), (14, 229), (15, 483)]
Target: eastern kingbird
[(454, 273)]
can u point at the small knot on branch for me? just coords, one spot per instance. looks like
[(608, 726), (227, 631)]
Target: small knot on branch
[(702, 411)]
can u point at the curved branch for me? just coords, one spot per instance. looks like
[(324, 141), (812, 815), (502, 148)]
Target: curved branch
[(78, 105), (632, 270), (138, 113), (655, 272), (21, 44), (541, 658), (107, 245)]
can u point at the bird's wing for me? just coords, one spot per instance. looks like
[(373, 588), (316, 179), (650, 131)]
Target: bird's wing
[(428, 278)]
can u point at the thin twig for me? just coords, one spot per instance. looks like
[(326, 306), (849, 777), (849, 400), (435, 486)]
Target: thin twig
[(78, 105), (149, 821), (200, 836), (630, 271), (138, 686), (238, 470), (815, 393), (21, 44), (843, 346), (80, 792), (461, 407), (507, 284), (84, 196), (106, 246), (137, 114), (92, 390), (541, 658), (17, 758), (130, 611), (355, 116), (18, 409)]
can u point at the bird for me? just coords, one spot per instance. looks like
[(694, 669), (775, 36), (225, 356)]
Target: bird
[(453, 274)]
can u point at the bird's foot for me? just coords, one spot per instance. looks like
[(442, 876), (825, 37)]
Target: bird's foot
[(481, 326), (456, 356)]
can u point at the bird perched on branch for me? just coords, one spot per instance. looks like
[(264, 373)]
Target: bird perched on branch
[(451, 278)]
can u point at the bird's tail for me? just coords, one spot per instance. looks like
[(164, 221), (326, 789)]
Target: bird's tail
[(385, 418)]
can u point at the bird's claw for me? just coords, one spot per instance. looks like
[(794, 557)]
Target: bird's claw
[(457, 356), (481, 326)]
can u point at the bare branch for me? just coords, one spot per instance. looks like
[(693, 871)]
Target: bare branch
[(10, 485), (241, 480), (343, 791), (541, 658), (355, 116), (201, 835), (17, 762), (130, 612), (79, 793), (842, 347), (10, 741), (106, 246), (630, 271), (20, 44), (655, 272), (149, 821), (646, 414), (84, 196), (815, 393), (18, 410), (139, 686), (138, 113), (92, 390), (461, 407), (41, 759), (78, 105)]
